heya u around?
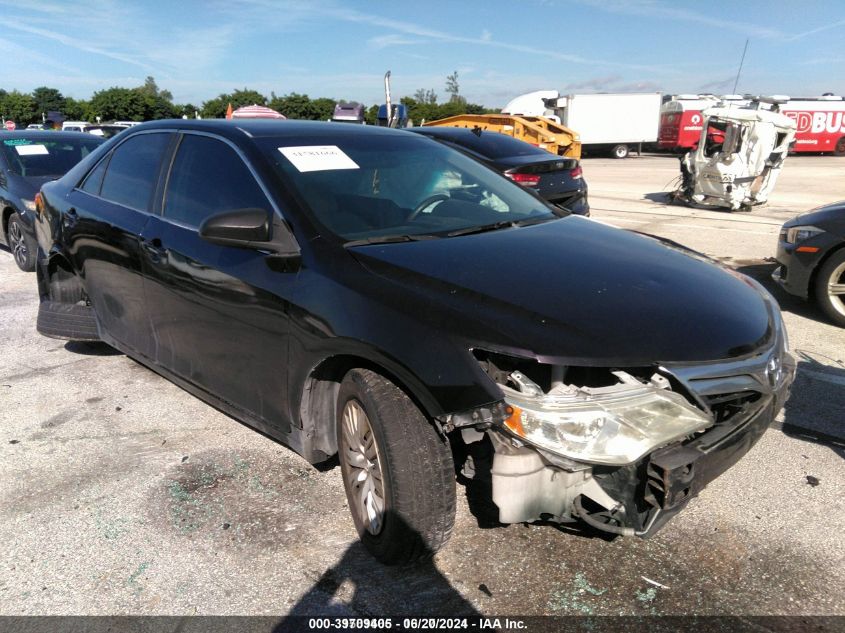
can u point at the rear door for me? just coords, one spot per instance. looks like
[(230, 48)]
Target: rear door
[(102, 228), (219, 313)]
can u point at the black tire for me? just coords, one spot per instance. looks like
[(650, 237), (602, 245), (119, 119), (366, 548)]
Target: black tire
[(839, 150), (415, 465), (832, 272), (67, 321), (20, 243), (619, 151)]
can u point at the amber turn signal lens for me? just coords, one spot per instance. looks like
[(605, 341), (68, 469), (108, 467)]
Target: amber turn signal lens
[(807, 249), (514, 420)]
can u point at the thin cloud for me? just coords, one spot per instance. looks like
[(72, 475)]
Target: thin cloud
[(649, 8), (385, 41), (78, 44), (267, 11), (826, 27)]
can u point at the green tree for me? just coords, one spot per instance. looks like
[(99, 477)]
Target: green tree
[(20, 108), (371, 115), (48, 99), (186, 109), (151, 88), (453, 89), (119, 104), (77, 110), (216, 108), (428, 97), (322, 108)]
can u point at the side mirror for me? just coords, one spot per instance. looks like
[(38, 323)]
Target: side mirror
[(252, 228)]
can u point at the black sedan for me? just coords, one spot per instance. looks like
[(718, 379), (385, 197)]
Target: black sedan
[(28, 159), (372, 293), (811, 254), (558, 180)]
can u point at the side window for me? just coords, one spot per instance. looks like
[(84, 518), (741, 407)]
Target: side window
[(94, 180), (133, 170), (208, 177)]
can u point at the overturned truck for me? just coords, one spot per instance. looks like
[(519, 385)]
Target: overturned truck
[(738, 157)]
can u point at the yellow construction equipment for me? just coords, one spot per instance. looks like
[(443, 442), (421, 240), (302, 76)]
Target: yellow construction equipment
[(540, 131)]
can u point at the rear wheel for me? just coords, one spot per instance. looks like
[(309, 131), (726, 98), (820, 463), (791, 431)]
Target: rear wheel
[(830, 287), (21, 244), (397, 470), (619, 151)]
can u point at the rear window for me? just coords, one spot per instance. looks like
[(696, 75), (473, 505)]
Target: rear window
[(493, 145), (34, 158), (133, 170)]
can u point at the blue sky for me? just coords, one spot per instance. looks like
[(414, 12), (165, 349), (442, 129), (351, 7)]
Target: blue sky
[(198, 50)]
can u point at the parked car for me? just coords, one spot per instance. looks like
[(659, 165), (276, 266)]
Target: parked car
[(811, 254), (106, 130), (28, 159), (75, 126), (558, 180), (35, 126), (372, 293)]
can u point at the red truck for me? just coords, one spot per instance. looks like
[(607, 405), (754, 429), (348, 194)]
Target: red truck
[(820, 121)]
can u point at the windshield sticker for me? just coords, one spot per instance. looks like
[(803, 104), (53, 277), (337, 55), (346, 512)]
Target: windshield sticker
[(30, 150), (17, 141), (318, 158)]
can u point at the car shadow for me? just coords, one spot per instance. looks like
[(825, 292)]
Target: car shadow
[(663, 197), (816, 407), (359, 586), (91, 348)]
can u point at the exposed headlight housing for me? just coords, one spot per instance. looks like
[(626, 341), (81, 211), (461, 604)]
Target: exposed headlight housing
[(609, 425), (29, 204), (798, 234)]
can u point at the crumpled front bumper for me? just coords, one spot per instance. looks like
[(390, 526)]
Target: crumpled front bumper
[(744, 397)]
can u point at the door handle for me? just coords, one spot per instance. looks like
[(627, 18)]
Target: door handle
[(70, 217), (154, 248)]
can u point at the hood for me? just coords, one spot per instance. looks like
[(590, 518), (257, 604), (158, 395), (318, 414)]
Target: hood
[(576, 291), (830, 217)]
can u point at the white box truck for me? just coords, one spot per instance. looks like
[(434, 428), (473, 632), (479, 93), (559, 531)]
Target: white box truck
[(605, 122)]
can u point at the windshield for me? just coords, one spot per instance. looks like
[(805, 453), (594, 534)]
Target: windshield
[(36, 157), (371, 186)]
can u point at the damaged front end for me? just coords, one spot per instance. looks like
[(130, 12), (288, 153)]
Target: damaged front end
[(621, 449)]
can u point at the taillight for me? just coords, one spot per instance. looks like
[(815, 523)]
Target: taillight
[(576, 173), (529, 180)]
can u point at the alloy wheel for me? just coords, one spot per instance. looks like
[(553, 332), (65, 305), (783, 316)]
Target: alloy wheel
[(17, 244), (836, 289), (363, 470)]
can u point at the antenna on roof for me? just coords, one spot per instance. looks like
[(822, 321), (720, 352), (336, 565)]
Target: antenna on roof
[(740, 65)]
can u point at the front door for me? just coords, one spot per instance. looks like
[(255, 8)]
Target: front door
[(219, 314)]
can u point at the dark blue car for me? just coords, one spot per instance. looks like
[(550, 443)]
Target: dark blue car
[(28, 159), (556, 179)]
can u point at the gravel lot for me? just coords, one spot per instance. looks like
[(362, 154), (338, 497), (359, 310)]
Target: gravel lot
[(122, 494)]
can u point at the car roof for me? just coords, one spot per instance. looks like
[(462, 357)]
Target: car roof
[(267, 128)]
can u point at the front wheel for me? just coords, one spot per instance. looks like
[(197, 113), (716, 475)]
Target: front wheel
[(397, 470), (830, 287), (619, 151), (21, 244)]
